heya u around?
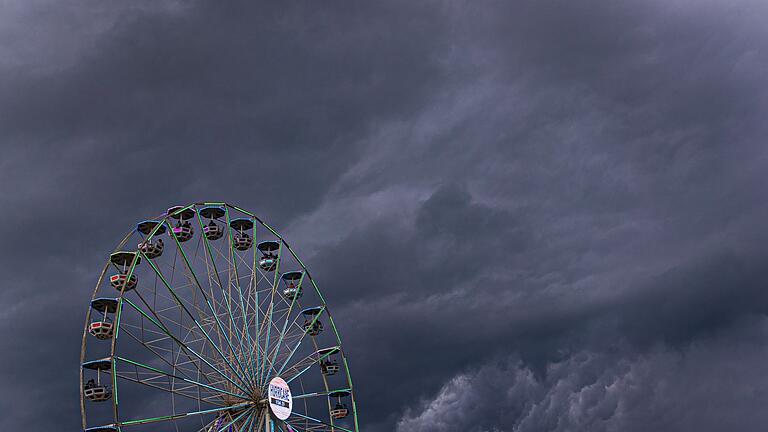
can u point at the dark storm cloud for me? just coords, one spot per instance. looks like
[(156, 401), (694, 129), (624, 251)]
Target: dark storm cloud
[(156, 107), (560, 201), (611, 391)]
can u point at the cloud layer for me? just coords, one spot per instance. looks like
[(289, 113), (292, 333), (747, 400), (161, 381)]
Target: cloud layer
[(529, 216), (712, 385)]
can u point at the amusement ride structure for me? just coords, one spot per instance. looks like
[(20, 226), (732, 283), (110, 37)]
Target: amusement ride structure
[(204, 319)]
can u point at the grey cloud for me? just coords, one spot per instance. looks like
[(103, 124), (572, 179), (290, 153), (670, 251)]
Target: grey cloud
[(468, 182), (707, 386)]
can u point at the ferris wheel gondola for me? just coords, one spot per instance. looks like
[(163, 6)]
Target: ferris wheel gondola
[(269, 255), (213, 229)]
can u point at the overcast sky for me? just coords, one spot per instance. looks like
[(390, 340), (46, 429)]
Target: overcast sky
[(545, 215)]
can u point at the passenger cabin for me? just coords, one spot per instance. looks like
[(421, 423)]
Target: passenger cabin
[(123, 261), (312, 324), (93, 390), (104, 328), (182, 230), (292, 281), (328, 366), (268, 260), (213, 230), (150, 247), (340, 409), (241, 240)]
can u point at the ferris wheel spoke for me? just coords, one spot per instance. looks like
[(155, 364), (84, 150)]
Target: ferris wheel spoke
[(317, 394), (280, 427), (256, 275), (293, 428), (159, 324), (228, 258), (164, 328), (254, 294), (299, 335), (255, 322), (170, 375), (207, 427), (208, 399), (270, 364), (298, 344), (290, 339), (179, 416), (260, 425), (242, 261), (305, 427), (184, 346), (160, 356), (298, 369), (212, 282), (248, 423), (237, 372), (224, 312), (264, 359), (224, 427), (215, 424), (314, 420), (276, 350), (306, 363), (227, 335), (232, 317), (233, 256), (268, 318)]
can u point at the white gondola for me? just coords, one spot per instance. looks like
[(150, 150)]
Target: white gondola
[(329, 367), (292, 281), (151, 248), (182, 231), (97, 393), (117, 281), (241, 240), (292, 292), (213, 230), (313, 328), (103, 329), (93, 390), (268, 260), (340, 410), (268, 263), (123, 261), (312, 324)]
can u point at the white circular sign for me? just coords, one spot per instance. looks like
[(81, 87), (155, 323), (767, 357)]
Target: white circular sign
[(280, 400)]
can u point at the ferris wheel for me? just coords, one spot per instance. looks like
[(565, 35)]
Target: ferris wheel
[(204, 319)]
